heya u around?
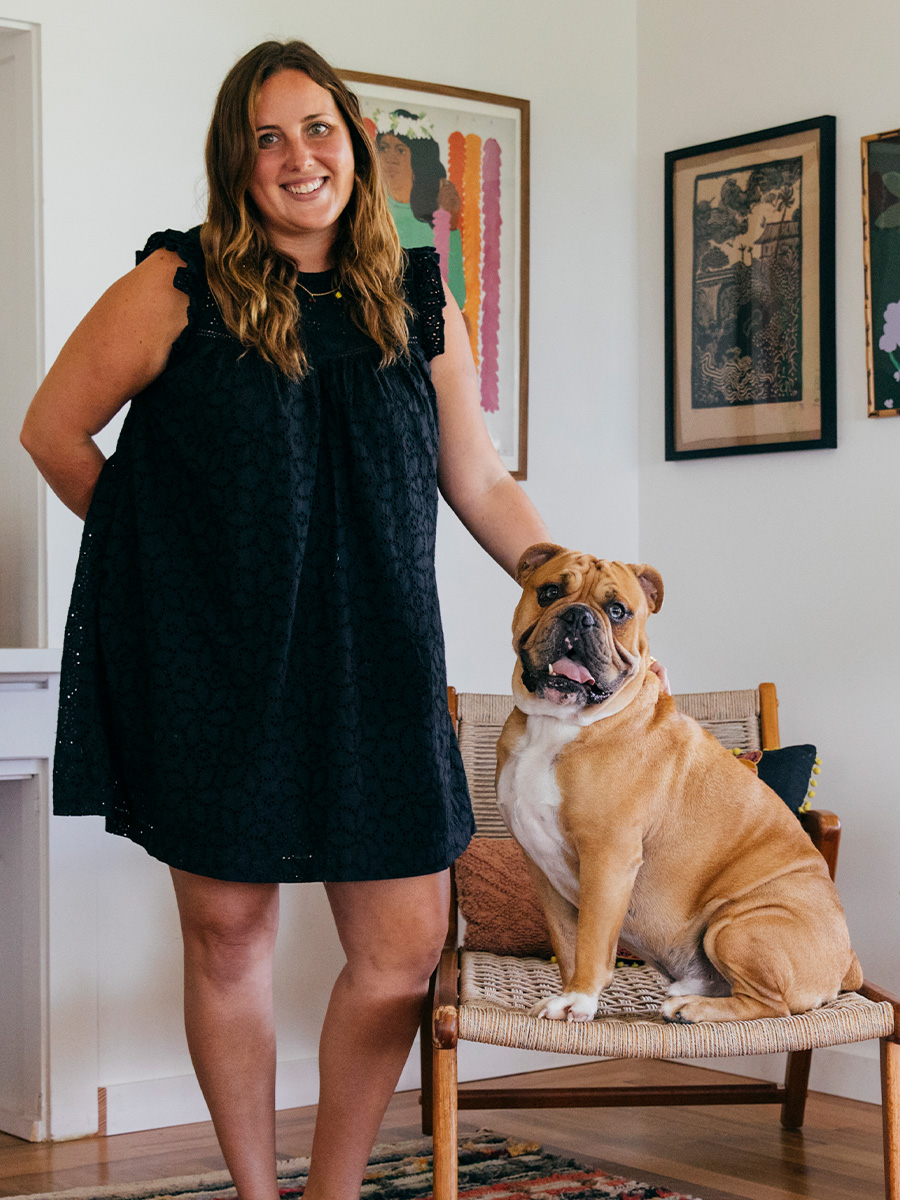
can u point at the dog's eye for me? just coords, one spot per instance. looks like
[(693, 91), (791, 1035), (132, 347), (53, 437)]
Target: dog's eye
[(617, 612), (548, 593)]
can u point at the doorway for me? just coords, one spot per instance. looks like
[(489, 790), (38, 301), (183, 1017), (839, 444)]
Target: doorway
[(22, 605)]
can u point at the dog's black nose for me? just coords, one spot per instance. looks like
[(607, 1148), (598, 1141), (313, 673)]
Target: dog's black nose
[(578, 616)]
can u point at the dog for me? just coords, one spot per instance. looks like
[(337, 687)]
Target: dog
[(637, 823)]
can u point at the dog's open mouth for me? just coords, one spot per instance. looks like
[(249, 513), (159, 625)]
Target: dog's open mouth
[(568, 668), (566, 679)]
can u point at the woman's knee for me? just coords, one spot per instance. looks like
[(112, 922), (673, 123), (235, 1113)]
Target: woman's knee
[(392, 932), (228, 928)]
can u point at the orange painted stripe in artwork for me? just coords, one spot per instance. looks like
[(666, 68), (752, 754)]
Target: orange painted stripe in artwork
[(471, 239)]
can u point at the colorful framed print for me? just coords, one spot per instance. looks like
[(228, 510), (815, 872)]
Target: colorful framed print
[(749, 277), (881, 258), (455, 166)]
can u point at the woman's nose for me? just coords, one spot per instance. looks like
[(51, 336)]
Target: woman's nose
[(300, 152)]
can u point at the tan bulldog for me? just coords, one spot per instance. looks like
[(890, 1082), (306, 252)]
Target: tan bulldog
[(637, 822)]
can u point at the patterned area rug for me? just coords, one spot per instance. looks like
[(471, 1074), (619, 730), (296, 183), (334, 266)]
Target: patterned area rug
[(491, 1167)]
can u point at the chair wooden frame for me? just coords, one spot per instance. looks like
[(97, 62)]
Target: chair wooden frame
[(441, 1099)]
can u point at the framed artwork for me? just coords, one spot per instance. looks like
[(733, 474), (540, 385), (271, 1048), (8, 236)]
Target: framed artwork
[(749, 278), (881, 256), (455, 167)]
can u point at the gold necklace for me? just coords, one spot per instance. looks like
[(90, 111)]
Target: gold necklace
[(335, 291)]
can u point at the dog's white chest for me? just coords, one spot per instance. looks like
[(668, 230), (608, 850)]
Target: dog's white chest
[(528, 798)]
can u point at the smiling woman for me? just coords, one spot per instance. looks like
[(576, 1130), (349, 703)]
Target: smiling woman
[(277, 103), (303, 175), (258, 553)]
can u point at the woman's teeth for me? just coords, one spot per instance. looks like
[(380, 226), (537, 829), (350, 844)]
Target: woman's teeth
[(303, 189)]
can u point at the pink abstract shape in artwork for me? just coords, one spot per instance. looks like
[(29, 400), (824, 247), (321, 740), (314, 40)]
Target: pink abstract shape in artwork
[(490, 321), (442, 238)]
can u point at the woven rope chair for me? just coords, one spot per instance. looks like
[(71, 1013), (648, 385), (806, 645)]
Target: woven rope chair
[(486, 998)]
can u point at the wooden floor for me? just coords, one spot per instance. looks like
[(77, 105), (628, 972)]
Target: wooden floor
[(710, 1152)]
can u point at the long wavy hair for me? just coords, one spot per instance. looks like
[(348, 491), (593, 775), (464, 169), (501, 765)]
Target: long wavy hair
[(253, 283)]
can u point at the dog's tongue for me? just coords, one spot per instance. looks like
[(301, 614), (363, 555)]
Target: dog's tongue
[(572, 670)]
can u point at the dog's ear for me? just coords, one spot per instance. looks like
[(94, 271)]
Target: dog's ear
[(534, 557), (651, 581)]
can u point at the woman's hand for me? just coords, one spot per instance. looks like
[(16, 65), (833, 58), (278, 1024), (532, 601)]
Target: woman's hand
[(448, 198), (119, 348), (471, 475), (662, 675)]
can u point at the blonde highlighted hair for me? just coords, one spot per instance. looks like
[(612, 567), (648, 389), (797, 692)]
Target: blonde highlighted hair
[(253, 283)]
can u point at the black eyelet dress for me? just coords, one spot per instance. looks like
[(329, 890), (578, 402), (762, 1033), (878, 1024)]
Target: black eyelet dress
[(253, 681)]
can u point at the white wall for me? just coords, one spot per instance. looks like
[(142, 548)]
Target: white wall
[(784, 566), (126, 96)]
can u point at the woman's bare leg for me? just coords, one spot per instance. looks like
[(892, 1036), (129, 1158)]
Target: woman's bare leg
[(392, 932), (229, 937)]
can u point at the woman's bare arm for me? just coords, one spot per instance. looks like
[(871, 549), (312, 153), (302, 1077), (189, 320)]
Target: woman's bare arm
[(471, 475), (120, 347)]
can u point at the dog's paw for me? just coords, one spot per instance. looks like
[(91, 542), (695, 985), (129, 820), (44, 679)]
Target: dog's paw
[(677, 1009), (570, 1006)]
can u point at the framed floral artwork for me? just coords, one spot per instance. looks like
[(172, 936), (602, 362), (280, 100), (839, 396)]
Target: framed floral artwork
[(455, 168), (881, 258), (749, 276)]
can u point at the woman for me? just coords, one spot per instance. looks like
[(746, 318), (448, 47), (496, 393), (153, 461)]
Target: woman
[(253, 671)]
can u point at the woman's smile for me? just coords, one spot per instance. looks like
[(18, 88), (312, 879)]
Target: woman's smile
[(304, 173)]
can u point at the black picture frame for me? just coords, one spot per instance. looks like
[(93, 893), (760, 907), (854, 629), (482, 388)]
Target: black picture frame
[(749, 293), (881, 262)]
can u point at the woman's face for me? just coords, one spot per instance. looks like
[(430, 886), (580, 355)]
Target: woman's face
[(396, 166), (303, 176)]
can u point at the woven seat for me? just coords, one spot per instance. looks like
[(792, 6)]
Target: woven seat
[(487, 998), (496, 994)]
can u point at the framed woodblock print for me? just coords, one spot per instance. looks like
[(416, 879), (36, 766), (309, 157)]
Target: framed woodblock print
[(749, 266), (881, 255), (455, 168)]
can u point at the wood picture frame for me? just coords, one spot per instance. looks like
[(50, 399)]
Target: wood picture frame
[(749, 285), (456, 170), (881, 261)]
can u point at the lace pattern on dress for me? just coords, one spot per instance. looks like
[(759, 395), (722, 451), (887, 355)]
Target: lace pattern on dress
[(425, 292)]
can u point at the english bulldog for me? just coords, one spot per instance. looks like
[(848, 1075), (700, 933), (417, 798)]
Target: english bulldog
[(637, 823)]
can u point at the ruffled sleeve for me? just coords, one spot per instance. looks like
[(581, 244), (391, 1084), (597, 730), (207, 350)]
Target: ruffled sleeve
[(425, 292), (189, 278)]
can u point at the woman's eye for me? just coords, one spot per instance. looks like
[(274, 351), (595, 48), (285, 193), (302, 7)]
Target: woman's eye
[(267, 139), (548, 593), (616, 611), (318, 128)]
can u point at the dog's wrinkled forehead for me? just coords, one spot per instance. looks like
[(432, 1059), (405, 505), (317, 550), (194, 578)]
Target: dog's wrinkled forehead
[(588, 579)]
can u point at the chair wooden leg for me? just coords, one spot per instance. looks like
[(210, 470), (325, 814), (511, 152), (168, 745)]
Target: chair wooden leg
[(426, 1063), (446, 1160), (796, 1082), (890, 1111)]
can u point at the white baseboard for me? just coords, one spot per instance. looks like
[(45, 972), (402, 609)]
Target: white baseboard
[(159, 1103), (850, 1071), (27, 1128)]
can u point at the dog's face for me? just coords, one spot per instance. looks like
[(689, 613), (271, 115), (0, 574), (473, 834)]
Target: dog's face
[(578, 631)]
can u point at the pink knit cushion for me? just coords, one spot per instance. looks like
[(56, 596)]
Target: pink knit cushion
[(498, 900), (501, 906)]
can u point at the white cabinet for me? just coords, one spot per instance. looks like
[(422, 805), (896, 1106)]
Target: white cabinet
[(29, 689)]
